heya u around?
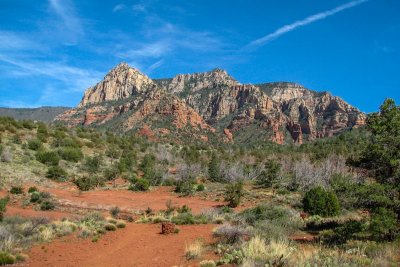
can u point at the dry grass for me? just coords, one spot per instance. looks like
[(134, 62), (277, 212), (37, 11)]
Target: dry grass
[(194, 250)]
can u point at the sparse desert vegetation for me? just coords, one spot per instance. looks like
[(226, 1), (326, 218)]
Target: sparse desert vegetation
[(331, 202)]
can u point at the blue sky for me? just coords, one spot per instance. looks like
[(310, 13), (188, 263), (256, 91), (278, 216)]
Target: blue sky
[(52, 50)]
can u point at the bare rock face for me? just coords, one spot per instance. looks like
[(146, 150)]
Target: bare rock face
[(182, 83), (121, 82), (211, 104)]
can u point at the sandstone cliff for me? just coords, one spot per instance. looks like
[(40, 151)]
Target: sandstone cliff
[(212, 104)]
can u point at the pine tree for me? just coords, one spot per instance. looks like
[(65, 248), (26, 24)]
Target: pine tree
[(213, 168)]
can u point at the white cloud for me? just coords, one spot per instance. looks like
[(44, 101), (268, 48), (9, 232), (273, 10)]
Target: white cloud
[(119, 7), (300, 23), (69, 25), (14, 41), (154, 66), (75, 79)]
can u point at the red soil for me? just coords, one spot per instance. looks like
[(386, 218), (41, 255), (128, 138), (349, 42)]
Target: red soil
[(29, 212), (128, 200), (136, 245)]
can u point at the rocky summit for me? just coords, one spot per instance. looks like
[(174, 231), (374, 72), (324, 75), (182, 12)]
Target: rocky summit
[(211, 105)]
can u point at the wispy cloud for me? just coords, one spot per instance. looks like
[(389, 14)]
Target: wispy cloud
[(12, 41), (118, 7), (154, 66), (69, 22), (300, 23), (75, 79)]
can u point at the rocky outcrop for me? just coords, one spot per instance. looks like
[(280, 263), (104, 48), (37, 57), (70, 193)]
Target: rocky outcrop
[(212, 103), (186, 83), (120, 83)]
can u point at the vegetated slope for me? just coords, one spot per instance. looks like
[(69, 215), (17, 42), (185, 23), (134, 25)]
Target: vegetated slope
[(211, 105), (45, 114)]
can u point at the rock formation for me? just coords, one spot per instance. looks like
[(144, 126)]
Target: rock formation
[(211, 104)]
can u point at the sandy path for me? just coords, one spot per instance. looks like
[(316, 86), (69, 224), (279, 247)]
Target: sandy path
[(136, 245)]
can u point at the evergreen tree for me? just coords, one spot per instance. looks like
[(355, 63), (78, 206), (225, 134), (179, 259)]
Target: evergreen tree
[(214, 168), (383, 153)]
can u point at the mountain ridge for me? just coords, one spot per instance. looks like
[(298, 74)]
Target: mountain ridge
[(212, 104)]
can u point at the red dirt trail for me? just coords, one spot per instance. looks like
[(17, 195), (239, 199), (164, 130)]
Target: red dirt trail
[(136, 245)]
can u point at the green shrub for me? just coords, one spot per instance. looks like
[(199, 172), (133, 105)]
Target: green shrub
[(185, 187), (48, 157), (111, 173), (47, 205), (35, 144), (183, 218), (140, 185), (27, 124), (92, 164), (73, 154), (87, 183), (269, 175), (120, 224), (16, 139), (6, 258), (184, 209), (114, 211), (318, 201), (234, 194), (36, 197), (32, 189), (17, 190), (110, 227), (200, 188), (383, 224), (56, 173), (340, 235)]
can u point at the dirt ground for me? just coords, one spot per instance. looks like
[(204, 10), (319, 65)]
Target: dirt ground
[(136, 245), (126, 200)]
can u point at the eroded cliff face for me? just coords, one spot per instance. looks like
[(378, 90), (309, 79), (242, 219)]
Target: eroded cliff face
[(120, 83), (212, 102)]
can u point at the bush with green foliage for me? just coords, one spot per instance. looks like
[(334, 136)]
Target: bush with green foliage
[(318, 201), (114, 211), (17, 190), (87, 183), (185, 187), (200, 188), (36, 197), (33, 189), (341, 234), (111, 173), (93, 164), (383, 224), (234, 193), (35, 144), (48, 157), (140, 184), (56, 173), (268, 177), (6, 258), (73, 154), (42, 132), (47, 205)]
